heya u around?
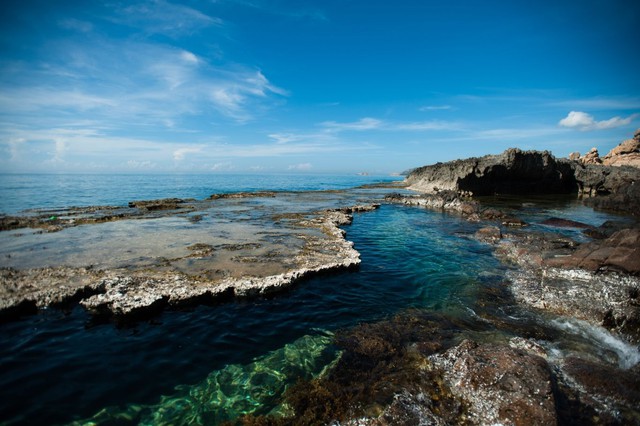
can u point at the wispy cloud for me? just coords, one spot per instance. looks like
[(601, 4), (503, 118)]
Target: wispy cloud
[(366, 123), (601, 103), (164, 17), (426, 125), (582, 121), (436, 108), (161, 84)]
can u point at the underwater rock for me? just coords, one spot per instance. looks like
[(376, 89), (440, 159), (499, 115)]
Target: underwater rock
[(234, 391), (490, 234), (499, 384), (564, 223), (256, 194)]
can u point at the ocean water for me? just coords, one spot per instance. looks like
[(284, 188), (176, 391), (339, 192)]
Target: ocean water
[(20, 192), (213, 363)]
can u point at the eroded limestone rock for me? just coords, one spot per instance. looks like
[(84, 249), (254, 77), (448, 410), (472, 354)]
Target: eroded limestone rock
[(499, 384)]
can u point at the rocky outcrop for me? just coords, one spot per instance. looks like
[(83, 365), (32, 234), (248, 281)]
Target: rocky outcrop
[(591, 157), (512, 172), (625, 154), (529, 172)]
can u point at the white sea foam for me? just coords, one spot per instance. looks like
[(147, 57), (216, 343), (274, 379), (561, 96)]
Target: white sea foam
[(628, 355)]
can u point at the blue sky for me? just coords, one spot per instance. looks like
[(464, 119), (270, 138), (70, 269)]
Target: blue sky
[(310, 86)]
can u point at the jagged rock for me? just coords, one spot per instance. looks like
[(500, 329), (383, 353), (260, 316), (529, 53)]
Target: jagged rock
[(591, 157), (574, 156), (512, 172), (500, 384), (526, 172), (625, 154)]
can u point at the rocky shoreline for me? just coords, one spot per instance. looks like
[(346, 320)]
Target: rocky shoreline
[(131, 294), (417, 367)]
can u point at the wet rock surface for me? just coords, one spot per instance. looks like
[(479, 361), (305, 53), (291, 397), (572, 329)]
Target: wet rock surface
[(257, 260), (556, 274), (500, 384)]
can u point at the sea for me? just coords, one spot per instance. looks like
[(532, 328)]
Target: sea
[(19, 192), (210, 364)]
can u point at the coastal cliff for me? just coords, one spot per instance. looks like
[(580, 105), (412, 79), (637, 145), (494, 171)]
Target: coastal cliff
[(517, 172)]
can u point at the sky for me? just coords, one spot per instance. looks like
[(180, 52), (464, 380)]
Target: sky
[(310, 86)]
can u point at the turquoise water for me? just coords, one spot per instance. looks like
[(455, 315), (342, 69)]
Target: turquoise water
[(60, 366)]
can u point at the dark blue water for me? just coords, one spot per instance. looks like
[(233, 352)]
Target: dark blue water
[(28, 191), (57, 367)]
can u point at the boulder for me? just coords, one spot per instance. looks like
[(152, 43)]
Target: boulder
[(591, 157), (625, 154)]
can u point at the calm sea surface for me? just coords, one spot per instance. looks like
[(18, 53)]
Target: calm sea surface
[(28, 191), (213, 363)]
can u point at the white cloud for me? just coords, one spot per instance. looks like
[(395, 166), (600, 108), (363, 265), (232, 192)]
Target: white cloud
[(189, 57), (582, 121), (366, 123)]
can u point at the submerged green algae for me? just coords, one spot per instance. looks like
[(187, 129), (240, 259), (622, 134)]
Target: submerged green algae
[(234, 391)]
